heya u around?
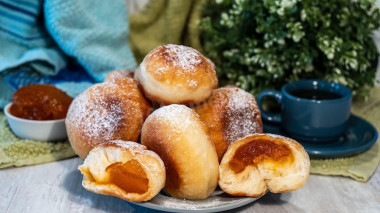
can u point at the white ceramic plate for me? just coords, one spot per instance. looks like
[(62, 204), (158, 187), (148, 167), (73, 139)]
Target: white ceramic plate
[(218, 201)]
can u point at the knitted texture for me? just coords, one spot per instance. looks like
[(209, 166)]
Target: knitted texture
[(94, 32), (17, 152), (25, 41)]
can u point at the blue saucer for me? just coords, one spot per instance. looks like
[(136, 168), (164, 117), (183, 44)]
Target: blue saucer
[(359, 136)]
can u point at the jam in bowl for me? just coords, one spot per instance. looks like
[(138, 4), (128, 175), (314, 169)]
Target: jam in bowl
[(38, 112)]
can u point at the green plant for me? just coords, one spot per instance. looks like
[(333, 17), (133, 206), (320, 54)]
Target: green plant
[(263, 44)]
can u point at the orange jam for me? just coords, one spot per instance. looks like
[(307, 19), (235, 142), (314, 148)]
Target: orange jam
[(129, 176), (40, 102), (259, 150)]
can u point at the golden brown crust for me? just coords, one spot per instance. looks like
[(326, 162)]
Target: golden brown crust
[(179, 137), (118, 74), (173, 74), (106, 111), (231, 114), (155, 140), (123, 169), (182, 65), (262, 162)]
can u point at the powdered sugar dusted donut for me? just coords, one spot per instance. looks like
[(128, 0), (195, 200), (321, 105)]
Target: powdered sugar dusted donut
[(106, 111), (231, 114), (176, 74), (180, 138)]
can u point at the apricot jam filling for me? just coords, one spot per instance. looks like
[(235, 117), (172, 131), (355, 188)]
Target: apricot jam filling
[(129, 176), (40, 102), (257, 151)]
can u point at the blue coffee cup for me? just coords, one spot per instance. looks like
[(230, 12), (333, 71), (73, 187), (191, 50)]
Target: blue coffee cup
[(311, 110)]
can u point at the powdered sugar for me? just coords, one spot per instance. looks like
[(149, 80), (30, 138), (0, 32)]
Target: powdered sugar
[(176, 120), (218, 201), (243, 116), (179, 56), (180, 59), (192, 83), (97, 116), (177, 71), (128, 144), (135, 149), (175, 115)]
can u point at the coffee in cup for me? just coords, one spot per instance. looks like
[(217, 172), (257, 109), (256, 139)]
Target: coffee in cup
[(311, 110)]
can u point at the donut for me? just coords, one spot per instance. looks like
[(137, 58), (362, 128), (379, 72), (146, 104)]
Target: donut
[(231, 114), (181, 139), (106, 111), (123, 169), (118, 74), (176, 74), (261, 162)]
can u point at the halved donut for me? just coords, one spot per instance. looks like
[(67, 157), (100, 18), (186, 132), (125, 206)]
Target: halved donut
[(259, 162), (123, 169)]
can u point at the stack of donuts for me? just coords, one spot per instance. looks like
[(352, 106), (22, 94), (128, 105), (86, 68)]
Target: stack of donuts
[(166, 126)]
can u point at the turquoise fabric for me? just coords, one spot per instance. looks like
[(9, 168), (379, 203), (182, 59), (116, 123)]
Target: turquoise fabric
[(95, 32), (42, 38), (24, 40)]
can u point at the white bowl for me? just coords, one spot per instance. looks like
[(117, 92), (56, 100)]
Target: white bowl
[(50, 130)]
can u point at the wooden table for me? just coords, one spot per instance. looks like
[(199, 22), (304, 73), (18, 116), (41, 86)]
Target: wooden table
[(56, 187)]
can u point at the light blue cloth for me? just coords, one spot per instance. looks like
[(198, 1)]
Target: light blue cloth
[(43, 36), (25, 41), (94, 32)]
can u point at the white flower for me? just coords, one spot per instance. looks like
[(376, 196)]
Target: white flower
[(354, 64), (281, 41), (229, 53), (330, 55), (226, 20), (239, 2), (281, 11), (342, 80), (303, 15)]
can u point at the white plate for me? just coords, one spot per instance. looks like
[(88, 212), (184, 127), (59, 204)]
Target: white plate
[(218, 201)]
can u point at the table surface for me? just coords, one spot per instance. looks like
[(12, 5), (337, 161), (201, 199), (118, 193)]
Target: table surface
[(56, 187)]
